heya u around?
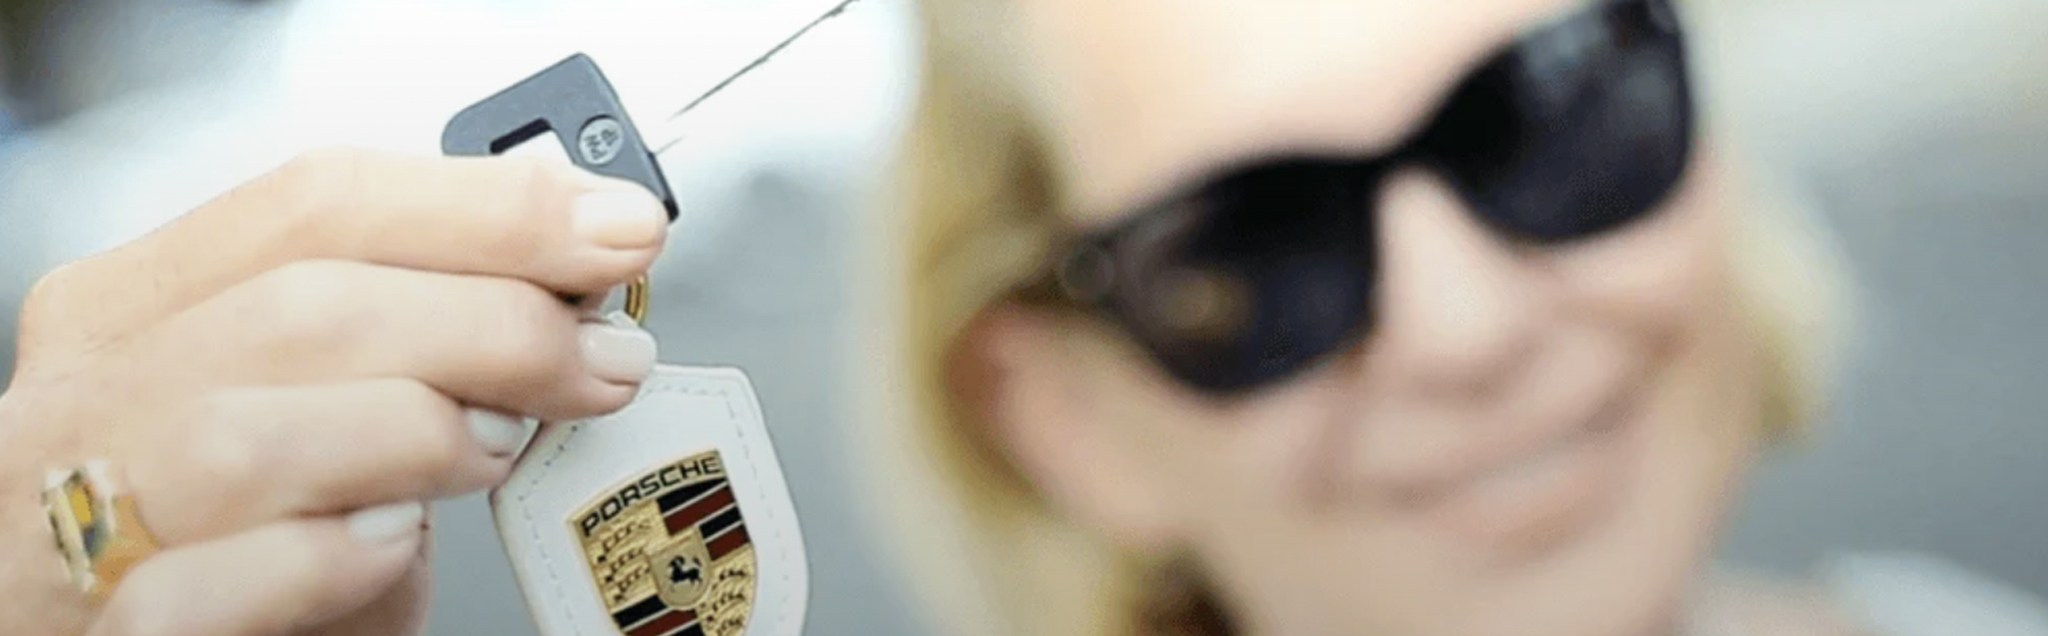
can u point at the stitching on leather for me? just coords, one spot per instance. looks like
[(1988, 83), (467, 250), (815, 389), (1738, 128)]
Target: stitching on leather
[(533, 530), (725, 393), (782, 551)]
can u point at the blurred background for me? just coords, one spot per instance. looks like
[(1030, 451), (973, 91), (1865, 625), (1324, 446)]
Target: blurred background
[(1917, 129)]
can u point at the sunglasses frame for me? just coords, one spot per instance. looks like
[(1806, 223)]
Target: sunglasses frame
[(1083, 271)]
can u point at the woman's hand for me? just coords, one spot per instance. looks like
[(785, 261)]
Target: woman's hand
[(281, 376)]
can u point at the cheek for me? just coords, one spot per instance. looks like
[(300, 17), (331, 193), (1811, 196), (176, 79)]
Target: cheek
[(1248, 471), (1651, 276), (1286, 545), (1222, 461)]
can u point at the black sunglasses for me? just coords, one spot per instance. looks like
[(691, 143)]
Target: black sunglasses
[(1256, 274)]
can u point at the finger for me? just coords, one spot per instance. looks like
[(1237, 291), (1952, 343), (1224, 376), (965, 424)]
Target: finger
[(489, 342), (555, 225), (247, 457), (270, 581), (401, 610)]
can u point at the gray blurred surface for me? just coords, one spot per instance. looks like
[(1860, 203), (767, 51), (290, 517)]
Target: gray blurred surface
[(1938, 445), (1921, 128)]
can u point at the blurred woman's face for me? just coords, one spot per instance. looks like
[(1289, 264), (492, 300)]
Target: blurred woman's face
[(1531, 441)]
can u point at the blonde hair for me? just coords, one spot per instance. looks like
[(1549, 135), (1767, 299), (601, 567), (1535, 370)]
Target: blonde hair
[(985, 555)]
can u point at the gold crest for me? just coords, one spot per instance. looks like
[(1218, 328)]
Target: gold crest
[(669, 551), (682, 566)]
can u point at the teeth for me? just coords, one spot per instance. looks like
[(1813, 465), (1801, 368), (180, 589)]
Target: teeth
[(1562, 442), (1533, 470), (1529, 477), (1556, 449), (1535, 463), (1609, 418)]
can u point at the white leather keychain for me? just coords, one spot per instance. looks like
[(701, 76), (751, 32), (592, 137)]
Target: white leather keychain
[(670, 517)]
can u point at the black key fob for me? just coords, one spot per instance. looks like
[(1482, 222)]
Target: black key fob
[(573, 100)]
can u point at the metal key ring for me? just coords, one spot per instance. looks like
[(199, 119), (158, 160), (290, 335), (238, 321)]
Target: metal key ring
[(636, 301)]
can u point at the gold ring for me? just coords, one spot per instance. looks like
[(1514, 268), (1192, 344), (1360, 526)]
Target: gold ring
[(99, 531), (636, 300)]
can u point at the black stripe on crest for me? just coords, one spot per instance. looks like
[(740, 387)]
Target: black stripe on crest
[(639, 611), (715, 525), (677, 499)]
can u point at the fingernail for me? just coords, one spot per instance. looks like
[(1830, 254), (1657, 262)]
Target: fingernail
[(496, 433), (620, 219), (617, 354), (386, 524)]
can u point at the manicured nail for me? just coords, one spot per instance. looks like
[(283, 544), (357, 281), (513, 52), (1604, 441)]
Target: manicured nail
[(496, 433), (623, 219), (617, 354), (386, 524)]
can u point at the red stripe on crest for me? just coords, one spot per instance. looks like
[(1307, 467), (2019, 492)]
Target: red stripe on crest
[(689, 516), (733, 539)]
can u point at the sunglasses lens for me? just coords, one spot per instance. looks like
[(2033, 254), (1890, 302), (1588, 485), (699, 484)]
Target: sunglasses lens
[(1264, 272), (1253, 278), (1584, 127)]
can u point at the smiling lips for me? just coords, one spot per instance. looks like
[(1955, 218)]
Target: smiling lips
[(1531, 490)]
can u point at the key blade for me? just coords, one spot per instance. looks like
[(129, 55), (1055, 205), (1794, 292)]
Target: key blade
[(671, 130)]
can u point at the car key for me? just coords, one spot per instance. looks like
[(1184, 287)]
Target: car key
[(670, 517)]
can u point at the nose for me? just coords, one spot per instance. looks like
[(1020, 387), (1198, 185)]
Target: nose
[(1458, 305)]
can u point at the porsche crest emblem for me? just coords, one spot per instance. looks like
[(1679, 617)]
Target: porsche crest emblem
[(669, 552)]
